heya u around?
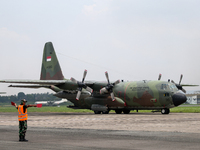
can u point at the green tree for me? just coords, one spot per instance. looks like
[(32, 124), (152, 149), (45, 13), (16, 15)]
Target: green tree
[(21, 95)]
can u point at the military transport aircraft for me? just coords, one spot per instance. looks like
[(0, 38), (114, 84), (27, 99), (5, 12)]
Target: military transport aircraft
[(101, 97)]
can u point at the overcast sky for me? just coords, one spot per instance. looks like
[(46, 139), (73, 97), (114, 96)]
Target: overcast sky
[(131, 39)]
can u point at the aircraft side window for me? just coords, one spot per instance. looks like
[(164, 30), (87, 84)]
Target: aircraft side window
[(171, 87), (166, 94)]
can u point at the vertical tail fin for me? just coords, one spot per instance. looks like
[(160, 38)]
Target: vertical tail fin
[(50, 66)]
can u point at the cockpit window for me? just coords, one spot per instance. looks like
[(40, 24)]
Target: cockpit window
[(169, 86), (172, 87), (164, 86)]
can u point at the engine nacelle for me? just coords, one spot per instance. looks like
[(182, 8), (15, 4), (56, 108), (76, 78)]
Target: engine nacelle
[(72, 94), (55, 88)]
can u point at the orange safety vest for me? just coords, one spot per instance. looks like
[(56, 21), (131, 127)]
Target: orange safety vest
[(22, 116)]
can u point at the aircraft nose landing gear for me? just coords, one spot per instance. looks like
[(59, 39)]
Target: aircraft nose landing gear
[(165, 111)]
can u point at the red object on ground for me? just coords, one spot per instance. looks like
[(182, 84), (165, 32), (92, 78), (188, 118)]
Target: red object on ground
[(12, 103), (39, 105)]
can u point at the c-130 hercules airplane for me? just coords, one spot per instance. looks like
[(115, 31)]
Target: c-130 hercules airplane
[(101, 97)]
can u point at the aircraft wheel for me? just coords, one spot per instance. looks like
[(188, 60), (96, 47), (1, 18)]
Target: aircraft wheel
[(165, 111), (97, 112), (118, 111), (126, 111), (105, 112)]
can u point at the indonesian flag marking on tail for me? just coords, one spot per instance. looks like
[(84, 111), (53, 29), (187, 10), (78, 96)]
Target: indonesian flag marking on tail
[(48, 58)]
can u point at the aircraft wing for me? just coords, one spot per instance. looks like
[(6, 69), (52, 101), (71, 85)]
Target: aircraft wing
[(49, 83), (188, 85), (43, 82), (193, 94), (29, 86)]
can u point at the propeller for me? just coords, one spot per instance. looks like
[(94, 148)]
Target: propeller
[(109, 87), (179, 86), (159, 77), (81, 85)]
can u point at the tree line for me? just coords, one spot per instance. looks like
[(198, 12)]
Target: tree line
[(31, 98)]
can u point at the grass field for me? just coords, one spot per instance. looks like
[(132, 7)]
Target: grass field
[(180, 109)]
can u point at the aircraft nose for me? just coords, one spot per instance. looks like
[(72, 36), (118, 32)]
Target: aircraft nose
[(179, 99)]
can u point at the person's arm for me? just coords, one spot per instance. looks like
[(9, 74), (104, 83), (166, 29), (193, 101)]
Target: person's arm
[(31, 105), (16, 106)]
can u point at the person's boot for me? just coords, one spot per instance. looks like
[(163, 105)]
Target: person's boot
[(20, 138), (24, 140)]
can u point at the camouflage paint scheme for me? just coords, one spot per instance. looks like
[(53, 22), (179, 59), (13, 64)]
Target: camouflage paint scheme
[(136, 95)]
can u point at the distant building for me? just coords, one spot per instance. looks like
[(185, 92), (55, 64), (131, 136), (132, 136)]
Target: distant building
[(193, 98)]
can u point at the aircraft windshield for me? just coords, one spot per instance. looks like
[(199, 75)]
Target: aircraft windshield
[(173, 87), (164, 86)]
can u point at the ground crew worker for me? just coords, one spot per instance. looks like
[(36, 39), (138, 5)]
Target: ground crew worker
[(22, 117)]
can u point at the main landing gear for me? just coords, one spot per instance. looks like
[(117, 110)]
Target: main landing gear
[(117, 111), (103, 112)]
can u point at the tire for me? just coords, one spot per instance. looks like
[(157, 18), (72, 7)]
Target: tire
[(126, 111), (97, 112), (106, 112), (118, 111), (165, 111)]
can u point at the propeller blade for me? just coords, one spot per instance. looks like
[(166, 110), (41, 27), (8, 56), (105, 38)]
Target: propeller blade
[(112, 96), (180, 79), (116, 82), (84, 75), (81, 85), (109, 87), (183, 90), (106, 73), (103, 90), (179, 86), (78, 95), (73, 80), (173, 81), (159, 77), (89, 89)]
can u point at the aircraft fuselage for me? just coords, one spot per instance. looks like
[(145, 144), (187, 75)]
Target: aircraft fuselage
[(136, 95)]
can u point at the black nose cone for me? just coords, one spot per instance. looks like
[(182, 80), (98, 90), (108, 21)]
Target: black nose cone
[(179, 99)]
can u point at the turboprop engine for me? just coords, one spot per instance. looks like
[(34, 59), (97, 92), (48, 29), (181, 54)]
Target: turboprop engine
[(72, 95)]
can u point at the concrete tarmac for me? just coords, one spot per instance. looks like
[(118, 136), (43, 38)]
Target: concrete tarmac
[(111, 131)]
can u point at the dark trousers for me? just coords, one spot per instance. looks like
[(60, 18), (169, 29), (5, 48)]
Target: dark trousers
[(22, 128)]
